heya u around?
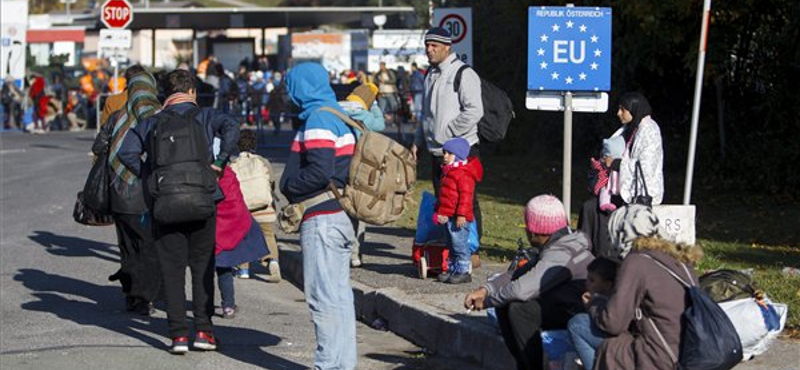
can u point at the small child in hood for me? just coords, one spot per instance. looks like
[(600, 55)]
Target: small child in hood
[(454, 206), (360, 105), (607, 184)]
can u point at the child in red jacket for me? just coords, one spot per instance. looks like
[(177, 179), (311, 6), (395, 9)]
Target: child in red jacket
[(454, 206)]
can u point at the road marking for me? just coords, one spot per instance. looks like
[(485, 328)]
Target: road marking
[(11, 151)]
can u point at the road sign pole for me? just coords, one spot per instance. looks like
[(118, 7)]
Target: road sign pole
[(698, 87), (566, 188)]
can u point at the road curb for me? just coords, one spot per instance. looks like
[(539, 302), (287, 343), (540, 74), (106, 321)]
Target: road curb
[(426, 326)]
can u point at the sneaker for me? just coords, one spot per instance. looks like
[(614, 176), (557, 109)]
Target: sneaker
[(243, 273), (229, 312), (443, 277), (274, 272), (205, 341), (459, 279), (180, 345)]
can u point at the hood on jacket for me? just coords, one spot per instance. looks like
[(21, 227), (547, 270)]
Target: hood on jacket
[(309, 89), (682, 252), (475, 168)]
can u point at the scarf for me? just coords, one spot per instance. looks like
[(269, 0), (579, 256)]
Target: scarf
[(446, 168), (178, 98), (142, 103)]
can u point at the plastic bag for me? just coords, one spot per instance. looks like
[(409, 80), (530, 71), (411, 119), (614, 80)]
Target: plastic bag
[(749, 321), (96, 189), (430, 232)]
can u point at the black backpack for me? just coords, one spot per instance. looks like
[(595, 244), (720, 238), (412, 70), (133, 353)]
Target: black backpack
[(497, 109), (182, 183), (709, 340)]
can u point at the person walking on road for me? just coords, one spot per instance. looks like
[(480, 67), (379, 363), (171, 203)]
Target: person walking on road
[(447, 113), (190, 243), (320, 159), (134, 233), (538, 295)]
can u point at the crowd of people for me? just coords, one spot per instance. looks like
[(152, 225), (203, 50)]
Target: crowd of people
[(591, 281)]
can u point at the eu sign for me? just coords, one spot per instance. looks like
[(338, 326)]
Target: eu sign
[(569, 48)]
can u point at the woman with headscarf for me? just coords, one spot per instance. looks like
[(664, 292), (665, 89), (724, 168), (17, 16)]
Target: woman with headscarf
[(139, 258), (645, 307), (643, 148)]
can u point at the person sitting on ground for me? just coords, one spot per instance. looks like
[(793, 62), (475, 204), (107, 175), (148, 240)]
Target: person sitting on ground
[(600, 281), (454, 206), (361, 106), (643, 286), (543, 295), (265, 216)]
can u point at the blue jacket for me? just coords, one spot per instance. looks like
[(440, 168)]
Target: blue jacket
[(324, 144), (215, 123)]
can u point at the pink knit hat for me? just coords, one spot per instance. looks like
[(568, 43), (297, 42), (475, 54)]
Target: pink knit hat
[(545, 215)]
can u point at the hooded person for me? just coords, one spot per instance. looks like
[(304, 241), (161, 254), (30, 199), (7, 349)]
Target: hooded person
[(320, 157), (361, 105), (541, 295)]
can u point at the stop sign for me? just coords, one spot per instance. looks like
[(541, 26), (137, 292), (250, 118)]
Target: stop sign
[(116, 13)]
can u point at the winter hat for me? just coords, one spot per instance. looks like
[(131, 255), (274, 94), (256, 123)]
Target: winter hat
[(628, 223), (614, 146), (438, 34), (363, 95), (458, 146), (544, 214)]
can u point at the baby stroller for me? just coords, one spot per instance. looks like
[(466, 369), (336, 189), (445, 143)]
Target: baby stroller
[(430, 250)]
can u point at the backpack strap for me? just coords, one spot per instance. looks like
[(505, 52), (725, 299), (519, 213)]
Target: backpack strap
[(349, 121), (665, 268), (457, 80)]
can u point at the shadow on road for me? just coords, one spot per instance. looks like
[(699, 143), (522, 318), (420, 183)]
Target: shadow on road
[(70, 246), (90, 304)]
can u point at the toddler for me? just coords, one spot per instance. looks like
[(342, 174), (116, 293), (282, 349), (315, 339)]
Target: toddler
[(454, 206), (608, 179), (586, 336)]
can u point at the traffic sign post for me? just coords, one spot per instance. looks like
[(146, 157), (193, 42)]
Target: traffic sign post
[(458, 21), (116, 13), (569, 60)]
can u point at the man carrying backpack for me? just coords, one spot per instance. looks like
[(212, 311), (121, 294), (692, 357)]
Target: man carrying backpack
[(447, 113), (320, 160), (180, 172)]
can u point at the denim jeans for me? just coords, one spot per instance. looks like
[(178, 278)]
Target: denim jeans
[(225, 284), (459, 247), (586, 337), (327, 241)]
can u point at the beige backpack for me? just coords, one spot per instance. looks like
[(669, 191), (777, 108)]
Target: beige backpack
[(382, 174), (254, 174)]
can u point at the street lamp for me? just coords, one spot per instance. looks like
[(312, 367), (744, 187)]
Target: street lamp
[(379, 20)]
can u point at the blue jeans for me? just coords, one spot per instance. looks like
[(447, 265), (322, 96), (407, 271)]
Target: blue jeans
[(586, 337), (459, 247), (225, 284), (327, 241)]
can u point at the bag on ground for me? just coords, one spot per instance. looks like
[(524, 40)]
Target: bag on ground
[(382, 174), (709, 340), (755, 322), (254, 174), (728, 285), (182, 183), (498, 111)]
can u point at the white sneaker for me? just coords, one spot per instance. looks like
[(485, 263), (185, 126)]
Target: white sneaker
[(274, 272)]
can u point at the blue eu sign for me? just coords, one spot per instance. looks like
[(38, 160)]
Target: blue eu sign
[(569, 48)]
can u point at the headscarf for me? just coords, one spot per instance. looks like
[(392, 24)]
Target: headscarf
[(142, 103), (637, 104), (628, 223)]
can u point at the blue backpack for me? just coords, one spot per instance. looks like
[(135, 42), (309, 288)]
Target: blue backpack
[(708, 338)]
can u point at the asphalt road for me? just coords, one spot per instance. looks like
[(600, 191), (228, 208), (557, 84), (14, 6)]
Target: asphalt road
[(59, 310)]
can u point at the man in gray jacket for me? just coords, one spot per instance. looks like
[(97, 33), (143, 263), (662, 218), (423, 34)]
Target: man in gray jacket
[(539, 295), (447, 113)]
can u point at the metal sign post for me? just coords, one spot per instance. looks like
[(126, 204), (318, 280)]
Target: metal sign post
[(569, 68), (698, 87)]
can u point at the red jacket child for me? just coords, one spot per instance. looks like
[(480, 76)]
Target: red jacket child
[(457, 185)]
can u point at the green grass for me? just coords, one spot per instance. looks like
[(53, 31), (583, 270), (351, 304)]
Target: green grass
[(736, 231)]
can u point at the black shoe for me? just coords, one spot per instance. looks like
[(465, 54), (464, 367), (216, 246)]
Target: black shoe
[(459, 279), (444, 277), (145, 308)]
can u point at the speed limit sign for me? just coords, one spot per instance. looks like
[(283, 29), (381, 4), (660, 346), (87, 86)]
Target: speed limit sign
[(458, 21)]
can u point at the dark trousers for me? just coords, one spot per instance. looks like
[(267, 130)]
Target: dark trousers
[(187, 244), (139, 258), (521, 324), (594, 223), (225, 285), (436, 173)]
